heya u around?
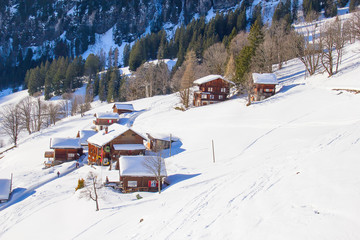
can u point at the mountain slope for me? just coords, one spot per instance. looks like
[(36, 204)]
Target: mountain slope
[(286, 168)]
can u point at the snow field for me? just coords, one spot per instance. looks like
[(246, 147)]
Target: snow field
[(286, 168)]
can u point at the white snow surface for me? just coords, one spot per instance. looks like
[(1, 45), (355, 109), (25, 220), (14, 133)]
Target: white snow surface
[(65, 143), (264, 78), (285, 168), (210, 78), (135, 166), (5, 185)]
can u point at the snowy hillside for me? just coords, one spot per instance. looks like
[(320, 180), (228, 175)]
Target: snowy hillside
[(286, 168)]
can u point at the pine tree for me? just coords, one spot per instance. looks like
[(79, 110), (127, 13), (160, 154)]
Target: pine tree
[(126, 55), (102, 88)]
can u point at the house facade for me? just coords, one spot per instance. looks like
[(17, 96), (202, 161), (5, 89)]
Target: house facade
[(212, 89), (105, 119), (264, 85), (117, 140), (120, 108), (135, 176)]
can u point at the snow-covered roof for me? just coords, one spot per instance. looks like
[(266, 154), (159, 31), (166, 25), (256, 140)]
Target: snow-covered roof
[(72, 143), (85, 134), (118, 147), (5, 188), (163, 137), (264, 78), (101, 138), (124, 106), (210, 78), (135, 166), (107, 115)]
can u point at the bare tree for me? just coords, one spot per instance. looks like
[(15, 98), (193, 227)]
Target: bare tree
[(187, 79), (53, 113), (11, 122), (307, 49), (67, 100), (230, 68), (332, 42), (249, 87), (238, 42), (25, 108), (38, 113), (215, 58), (356, 24), (92, 187), (156, 166)]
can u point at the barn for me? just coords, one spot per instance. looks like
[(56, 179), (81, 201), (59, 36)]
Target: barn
[(120, 108), (135, 176), (264, 85), (65, 149), (114, 141), (159, 141), (211, 89)]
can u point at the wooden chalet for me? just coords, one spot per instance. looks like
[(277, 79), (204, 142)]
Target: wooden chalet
[(105, 119), (264, 85), (5, 189), (134, 176), (212, 89), (158, 142), (65, 149), (120, 108), (114, 141)]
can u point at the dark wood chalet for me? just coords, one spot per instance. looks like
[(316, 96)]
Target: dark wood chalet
[(120, 108), (117, 140), (264, 86), (105, 119), (135, 176), (212, 89), (65, 149), (158, 142)]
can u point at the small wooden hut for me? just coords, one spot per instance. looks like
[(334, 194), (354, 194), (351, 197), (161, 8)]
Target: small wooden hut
[(135, 176), (212, 89), (158, 141), (65, 149), (120, 108), (264, 85)]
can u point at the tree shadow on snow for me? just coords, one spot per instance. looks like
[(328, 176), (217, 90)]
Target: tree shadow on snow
[(176, 178)]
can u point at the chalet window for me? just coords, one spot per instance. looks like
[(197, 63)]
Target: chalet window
[(212, 97), (111, 121), (133, 134), (71, 155), (223, 89), (152, 183), (203, 89), (268, 90), (210, 89), (203, 96), (132, 183), (221, 97)]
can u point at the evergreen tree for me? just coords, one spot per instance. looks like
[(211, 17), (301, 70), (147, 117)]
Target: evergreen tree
[(102, 88), (126, 55)]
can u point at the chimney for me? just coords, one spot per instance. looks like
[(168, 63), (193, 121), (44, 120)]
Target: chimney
[(106, 130)]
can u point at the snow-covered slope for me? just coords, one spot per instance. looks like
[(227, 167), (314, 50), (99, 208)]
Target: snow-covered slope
[(285, 168)]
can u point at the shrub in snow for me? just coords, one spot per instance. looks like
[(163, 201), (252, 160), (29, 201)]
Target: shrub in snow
[(81, 184)]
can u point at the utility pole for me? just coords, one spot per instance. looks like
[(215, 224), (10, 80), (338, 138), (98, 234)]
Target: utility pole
[(170, 147), (213, 151)]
